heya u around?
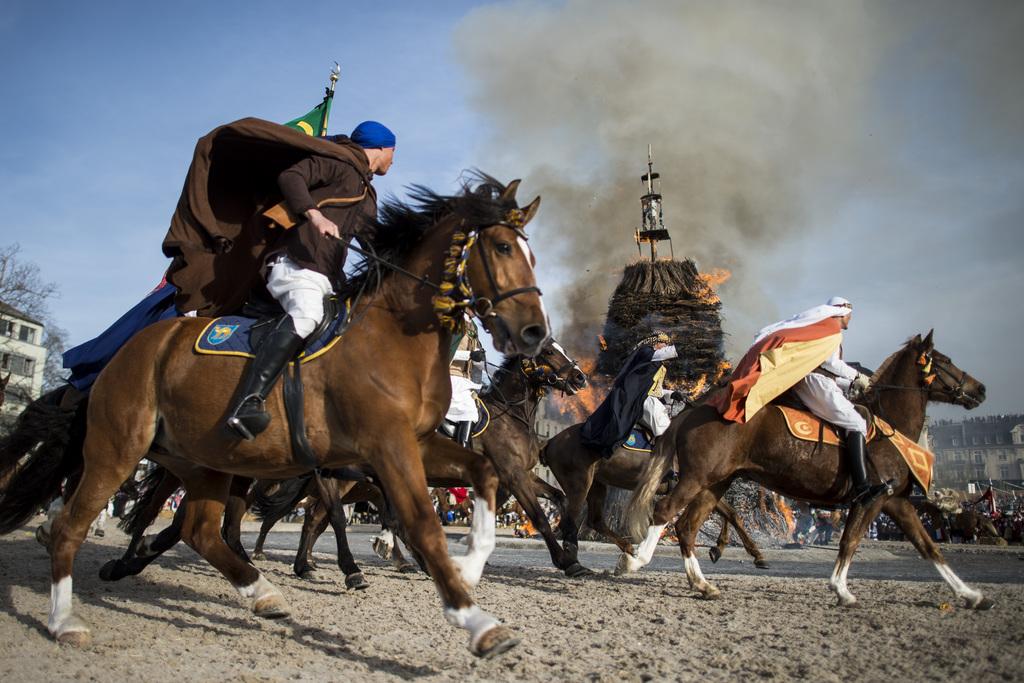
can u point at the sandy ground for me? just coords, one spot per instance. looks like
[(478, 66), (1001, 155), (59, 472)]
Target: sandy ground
[(181, 621)]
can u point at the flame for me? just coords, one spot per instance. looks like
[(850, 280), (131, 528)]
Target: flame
[(711, 281), (602, 342), (787, 512), (698, 387), (581, 405)]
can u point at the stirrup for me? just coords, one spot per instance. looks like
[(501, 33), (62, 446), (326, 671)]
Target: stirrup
[(237, 423), (870, 492)]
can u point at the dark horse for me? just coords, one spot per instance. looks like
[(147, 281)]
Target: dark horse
[(712, 452), (509, 444), (585, 476), (461, 251)]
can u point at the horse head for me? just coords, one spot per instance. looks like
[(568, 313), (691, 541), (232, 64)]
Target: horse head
[(500, 273), (945, 382), (554, 367)]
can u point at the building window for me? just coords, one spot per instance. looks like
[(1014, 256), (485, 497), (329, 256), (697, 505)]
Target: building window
[(1004, 471), (27, 334), (999, 438), (974, 441), (979, 457), (7, 328), (19, 365), (1002, 456), (956, 442)]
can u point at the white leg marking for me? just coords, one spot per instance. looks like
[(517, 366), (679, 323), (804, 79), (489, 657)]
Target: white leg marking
[(696, 577), (962, 590), (473, 619), (62, 620), (267, 600), (480, 542), (384, 544), (644, 554), (837, 583)]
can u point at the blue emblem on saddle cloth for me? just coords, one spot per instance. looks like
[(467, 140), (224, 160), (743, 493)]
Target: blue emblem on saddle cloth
[(637, 441), (219, 334), (231, 336)]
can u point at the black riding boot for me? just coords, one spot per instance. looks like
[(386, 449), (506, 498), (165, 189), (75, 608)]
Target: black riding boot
[(855, 460), (280, 346), (462, 433)]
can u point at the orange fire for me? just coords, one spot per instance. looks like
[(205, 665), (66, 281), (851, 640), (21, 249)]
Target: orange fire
[(580, 406), (786, 512), (711, 281)]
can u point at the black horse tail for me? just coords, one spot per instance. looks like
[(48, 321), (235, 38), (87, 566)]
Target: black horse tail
[(283, 500), (43, 450), (135, 521)]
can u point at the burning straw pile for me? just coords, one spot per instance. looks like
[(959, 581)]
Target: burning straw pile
[(673, 297)]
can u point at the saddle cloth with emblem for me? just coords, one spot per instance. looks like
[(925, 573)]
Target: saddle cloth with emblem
[(808, 427), (638, 440), (231, 335)]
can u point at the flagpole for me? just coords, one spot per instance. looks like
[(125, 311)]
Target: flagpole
[(329, 97)]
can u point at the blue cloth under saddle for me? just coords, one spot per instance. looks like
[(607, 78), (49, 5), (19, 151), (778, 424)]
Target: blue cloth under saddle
[(87, 360), (637, 441), (231, 336)]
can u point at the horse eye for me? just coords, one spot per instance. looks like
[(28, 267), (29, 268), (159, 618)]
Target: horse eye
[(504, 248)]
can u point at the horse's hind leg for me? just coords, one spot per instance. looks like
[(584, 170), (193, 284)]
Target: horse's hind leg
[(856, 525), (207, 492), (99, 482), (687, 527), (567, 527), (731, 518), (665, 509), (314, 523), (903, 513), (524, 492), (331, 493)]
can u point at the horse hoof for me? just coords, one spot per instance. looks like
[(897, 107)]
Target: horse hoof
[(715, 554), (76, 639), (627, 564), (499, 639), (356, 582), (762, 564), (711, 593), (847, 602), (112, 571), (271, 606), (306, 573), (258, 556), (983, 604), (408, 568), (577, 570)]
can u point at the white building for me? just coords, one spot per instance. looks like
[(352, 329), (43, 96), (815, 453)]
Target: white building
[(22, 357)]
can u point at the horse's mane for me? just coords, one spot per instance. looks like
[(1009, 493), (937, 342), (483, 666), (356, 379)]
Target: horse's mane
[(887, 363), (402, 224)]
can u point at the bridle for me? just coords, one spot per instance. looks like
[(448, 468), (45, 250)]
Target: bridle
[(454, 292), (952, 386)]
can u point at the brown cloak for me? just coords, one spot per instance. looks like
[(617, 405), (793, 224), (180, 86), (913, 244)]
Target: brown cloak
[(218, 238)]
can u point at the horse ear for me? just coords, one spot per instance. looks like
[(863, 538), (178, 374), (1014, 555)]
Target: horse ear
[(531, 210), (928, 340), (509, 195)]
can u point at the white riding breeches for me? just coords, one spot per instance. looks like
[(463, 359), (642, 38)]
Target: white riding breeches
[(655, 417), (825, 399), (300, 292), (463, 406)]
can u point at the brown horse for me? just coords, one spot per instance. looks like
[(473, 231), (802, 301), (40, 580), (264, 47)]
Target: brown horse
[(712, 452), (585, 476), (377, 396)]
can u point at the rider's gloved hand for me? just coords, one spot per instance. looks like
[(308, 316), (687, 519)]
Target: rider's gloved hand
[(677, 396), (861, 383), (477, 355)]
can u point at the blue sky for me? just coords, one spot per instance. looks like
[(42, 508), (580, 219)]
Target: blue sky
[(892, 130)]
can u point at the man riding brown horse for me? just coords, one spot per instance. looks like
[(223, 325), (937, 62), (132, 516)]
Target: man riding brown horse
[(804, 354)]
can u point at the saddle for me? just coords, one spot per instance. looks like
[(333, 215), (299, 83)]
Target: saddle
[(448, 427), (639, 440), (807, 427), (242, 335)]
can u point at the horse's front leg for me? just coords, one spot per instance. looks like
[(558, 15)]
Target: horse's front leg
[(856, 526), (398, 463)]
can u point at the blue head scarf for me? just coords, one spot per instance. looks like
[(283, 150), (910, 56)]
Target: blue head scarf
[(370, 134)]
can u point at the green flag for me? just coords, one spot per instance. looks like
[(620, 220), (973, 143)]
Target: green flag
[(315, 122)]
